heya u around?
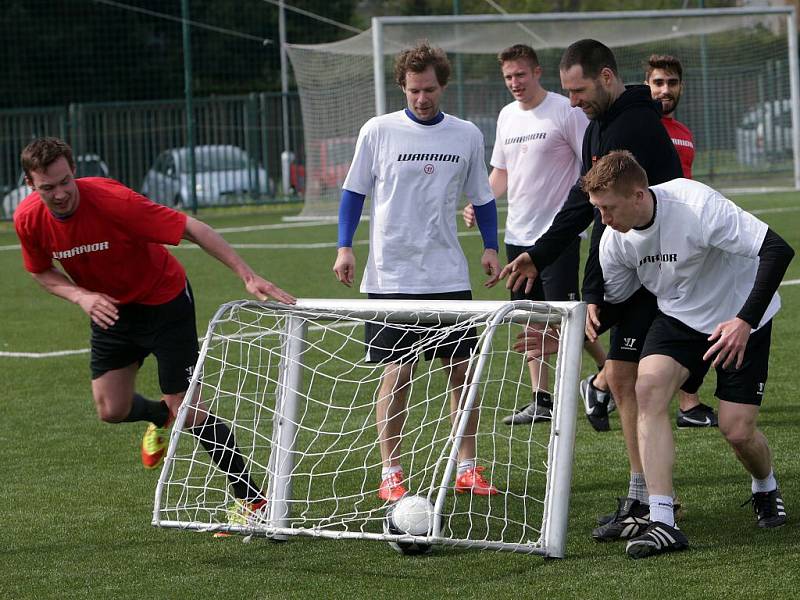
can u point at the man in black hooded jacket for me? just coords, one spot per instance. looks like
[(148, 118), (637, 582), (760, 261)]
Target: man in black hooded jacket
[(622, 118)]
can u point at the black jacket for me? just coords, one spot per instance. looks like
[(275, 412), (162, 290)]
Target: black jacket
[(632, 123)]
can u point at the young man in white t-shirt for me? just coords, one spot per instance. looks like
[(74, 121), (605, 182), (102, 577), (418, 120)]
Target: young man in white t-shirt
[(415, 164), (536, 160), (714, 270)]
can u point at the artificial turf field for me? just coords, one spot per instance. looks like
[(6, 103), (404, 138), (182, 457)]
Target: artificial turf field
[(76, 505)]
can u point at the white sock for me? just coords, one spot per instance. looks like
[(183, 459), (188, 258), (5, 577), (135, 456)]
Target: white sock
[(386, 471), (466, 465), (767, 484), (637, 488), (661, 510)]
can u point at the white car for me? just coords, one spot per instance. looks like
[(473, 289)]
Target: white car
[(765, 133), (223, 175), (86, 165)]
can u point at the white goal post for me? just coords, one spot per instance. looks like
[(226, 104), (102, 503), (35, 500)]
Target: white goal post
[(741, 97), (293, 386)]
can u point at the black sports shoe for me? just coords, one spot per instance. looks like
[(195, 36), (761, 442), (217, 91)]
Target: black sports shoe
[(768, 507), (541, 409), (701, 415), (598, 404), (608, 517), (657, 539), (630, 519)]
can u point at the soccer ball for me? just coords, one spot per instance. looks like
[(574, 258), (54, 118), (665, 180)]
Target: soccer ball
[(411, 515)]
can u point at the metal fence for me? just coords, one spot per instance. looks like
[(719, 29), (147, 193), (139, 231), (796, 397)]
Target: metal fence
[(134, 139)]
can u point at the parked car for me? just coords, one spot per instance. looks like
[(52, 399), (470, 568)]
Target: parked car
[(86, 165), (223, 174), (335, 156), (765, 133)]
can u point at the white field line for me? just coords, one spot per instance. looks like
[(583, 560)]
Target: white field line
[(333, 244), (308, 246), (58, 353)]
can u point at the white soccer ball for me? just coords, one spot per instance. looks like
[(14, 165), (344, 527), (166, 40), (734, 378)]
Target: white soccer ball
[(412, 515)]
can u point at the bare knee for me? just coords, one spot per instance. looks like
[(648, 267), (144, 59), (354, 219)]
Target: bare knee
[(112, 410), (649, 392), (622, 381), (737, 432)]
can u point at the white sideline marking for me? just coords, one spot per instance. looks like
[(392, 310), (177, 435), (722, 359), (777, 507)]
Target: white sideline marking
[(58, 353), (318, 245), (271, 226), (311, 246), (779, 209)]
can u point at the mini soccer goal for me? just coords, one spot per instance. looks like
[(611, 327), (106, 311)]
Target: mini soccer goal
[(293, 385)]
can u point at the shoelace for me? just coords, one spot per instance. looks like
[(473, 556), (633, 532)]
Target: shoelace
[(395, 479), (761, 505), (477, 478)]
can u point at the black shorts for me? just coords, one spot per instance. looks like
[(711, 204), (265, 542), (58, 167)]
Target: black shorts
[(627, 336), (558, 281), (166, 330), (670, 337), (387, 344)]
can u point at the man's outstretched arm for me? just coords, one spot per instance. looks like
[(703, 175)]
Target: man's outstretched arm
[(213, 243)]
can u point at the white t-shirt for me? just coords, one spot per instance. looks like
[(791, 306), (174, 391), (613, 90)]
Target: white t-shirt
[(416, 175), (541, 150), (699, 257)]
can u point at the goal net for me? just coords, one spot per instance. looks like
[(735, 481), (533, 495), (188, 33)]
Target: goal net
[(293, 386), (741, 97)]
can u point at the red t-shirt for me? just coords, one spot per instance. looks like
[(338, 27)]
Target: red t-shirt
[(683, 141), (111, 244)]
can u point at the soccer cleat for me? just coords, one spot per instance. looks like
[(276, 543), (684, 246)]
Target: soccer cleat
[(676, 508), (768, 508), (658, 538), (154, 444), (630, 519), (392, 488), (541, 409), (471, 481), (598, 404), (701, 415), (245, 513)]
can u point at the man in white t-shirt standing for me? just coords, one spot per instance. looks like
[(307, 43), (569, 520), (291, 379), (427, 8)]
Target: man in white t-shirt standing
[(536, 160), (415, 164), (714, 270)]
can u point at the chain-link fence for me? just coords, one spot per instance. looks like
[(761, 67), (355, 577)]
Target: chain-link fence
[(109, 76)]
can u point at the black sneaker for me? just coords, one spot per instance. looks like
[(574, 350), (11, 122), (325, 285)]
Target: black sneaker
[(598, 404), (541, 409), (676, 507), (657, 539), (630, 519), (697, 416), (768, 507)]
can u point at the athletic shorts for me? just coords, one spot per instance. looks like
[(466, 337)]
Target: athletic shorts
[(387, 344), (167, 331), (558, 281), (669, 337), (627, 336)]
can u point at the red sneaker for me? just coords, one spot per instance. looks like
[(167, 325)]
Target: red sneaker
[(392, 488), (471, 481)]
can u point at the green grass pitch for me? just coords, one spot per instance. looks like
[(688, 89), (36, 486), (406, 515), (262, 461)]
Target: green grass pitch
[(76, 504)]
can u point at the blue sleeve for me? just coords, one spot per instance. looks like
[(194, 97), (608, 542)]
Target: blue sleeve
[(486, 216), (350, 208)]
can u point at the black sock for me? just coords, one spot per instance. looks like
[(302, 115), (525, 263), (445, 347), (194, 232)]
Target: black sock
[(143, 409), (543, 398), (218, 441)]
